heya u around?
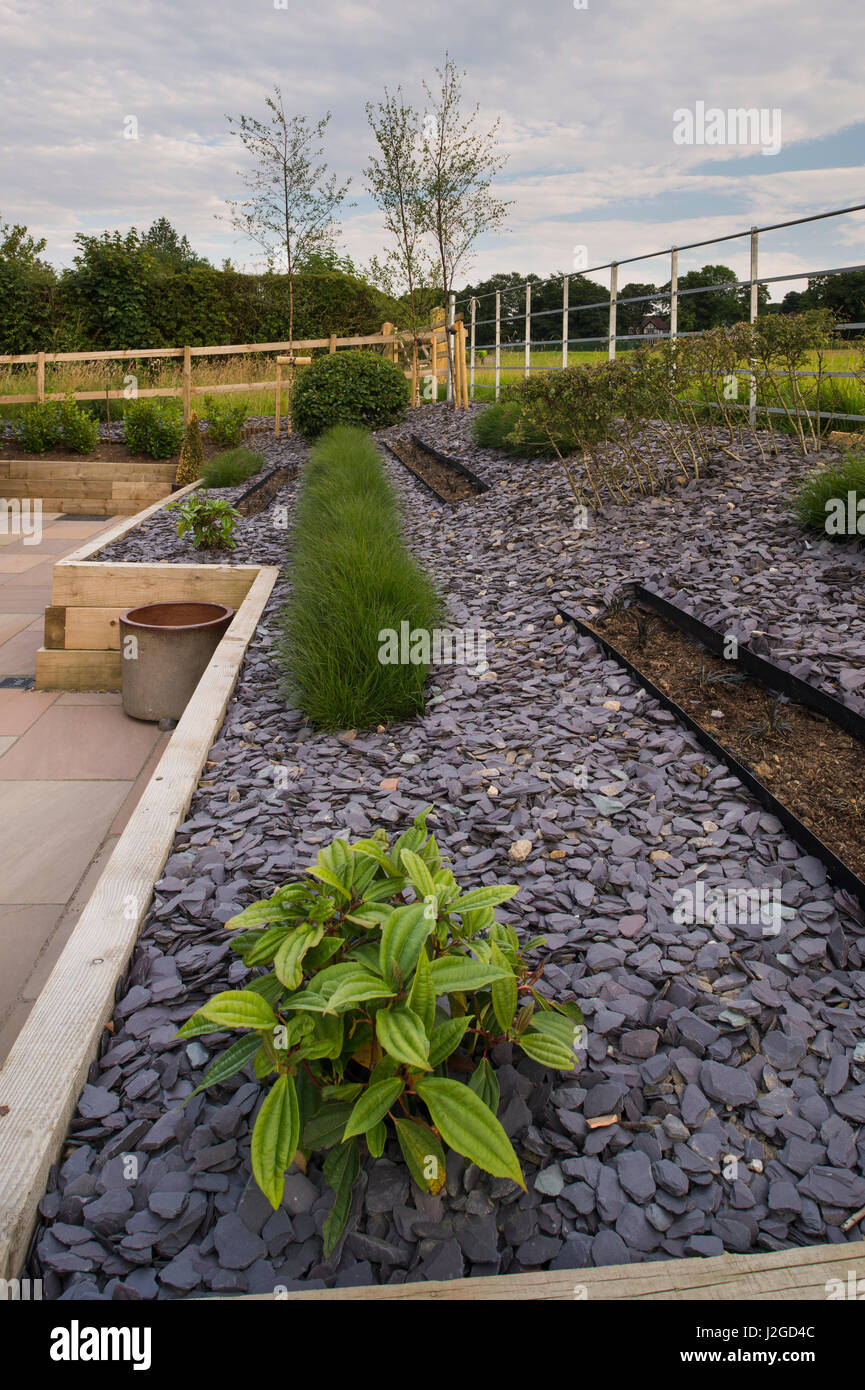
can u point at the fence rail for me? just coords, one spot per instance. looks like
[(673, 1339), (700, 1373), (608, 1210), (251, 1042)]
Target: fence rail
[(671, 296)]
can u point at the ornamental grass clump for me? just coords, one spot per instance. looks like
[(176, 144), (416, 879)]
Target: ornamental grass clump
[(352, 583), (386, 987), (832, 500), (231, 467)]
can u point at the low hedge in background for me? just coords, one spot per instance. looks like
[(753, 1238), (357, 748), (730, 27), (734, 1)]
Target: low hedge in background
[(349, 388), (351, 578)]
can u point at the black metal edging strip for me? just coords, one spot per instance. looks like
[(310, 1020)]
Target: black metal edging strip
[(757, 666), (842, 875), (448, 501), (455, 464), (258, 484)]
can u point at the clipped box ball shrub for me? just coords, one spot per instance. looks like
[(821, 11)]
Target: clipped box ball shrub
[(153, 427), (351, 578), (385, 990), (349, 388)]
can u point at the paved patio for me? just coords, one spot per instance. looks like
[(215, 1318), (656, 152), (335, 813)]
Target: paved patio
[(72, 767)]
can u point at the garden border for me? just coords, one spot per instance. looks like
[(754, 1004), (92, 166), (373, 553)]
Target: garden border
[(47, 1066), (797, 1274)]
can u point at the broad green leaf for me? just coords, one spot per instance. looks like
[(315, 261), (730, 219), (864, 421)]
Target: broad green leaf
[(262, 1063), (326, 1039), (330, 878), (422, 997), (275, 1137), (409, 839), (484, 897), (356, 989), (325, 1128), (402, 939), (446, 1038), (374, 850), (474, 922), (383, 1070), (232, 1060), (282, 907), (288, 961), (341, 1168), (321, 954), (264, 949), (402, 1035), (423, 1154), (504, 992), (308, 1000), (239, 1008), (268, 986), (467, 1125), (419, 874), (373, 1105), (548, 1051), (197, 1026), (350, 1091), (384, 890), (451, 973), (484, 1082), (556, 1026), (376, 1138)]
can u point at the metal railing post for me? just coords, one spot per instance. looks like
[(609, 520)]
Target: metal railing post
[(674, 293), (565, 292), (528, 367), (752, 315), (450, 342), (498, 341), (472, 369), (614, 290)]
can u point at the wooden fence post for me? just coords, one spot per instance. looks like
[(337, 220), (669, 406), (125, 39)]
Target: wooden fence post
[(278, 397), (332, 344), (40, 377), (187, 384)]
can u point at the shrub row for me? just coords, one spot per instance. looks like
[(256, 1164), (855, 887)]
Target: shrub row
[(351, 578)]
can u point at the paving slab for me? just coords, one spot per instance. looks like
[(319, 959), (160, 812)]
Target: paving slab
[(52, 829), (21, 708), (81, 742)]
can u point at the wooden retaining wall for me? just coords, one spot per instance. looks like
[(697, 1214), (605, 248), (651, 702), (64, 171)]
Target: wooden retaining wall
[(87, 487), (82, 623)]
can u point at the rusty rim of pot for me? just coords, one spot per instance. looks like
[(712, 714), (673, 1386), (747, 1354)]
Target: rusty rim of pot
[(192, 616)]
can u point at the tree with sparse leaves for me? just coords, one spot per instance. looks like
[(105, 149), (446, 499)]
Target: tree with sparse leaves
[(293, 201), (460, 162)]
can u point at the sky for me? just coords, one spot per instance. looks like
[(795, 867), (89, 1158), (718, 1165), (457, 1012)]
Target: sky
[(598, 102)]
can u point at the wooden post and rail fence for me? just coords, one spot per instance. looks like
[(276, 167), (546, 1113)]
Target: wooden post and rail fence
[(389, 339)]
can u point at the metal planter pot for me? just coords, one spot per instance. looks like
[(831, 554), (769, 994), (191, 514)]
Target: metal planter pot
[(164, 650)]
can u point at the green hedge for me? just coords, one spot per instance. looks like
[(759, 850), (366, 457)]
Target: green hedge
[(351, 578), (349, 388)]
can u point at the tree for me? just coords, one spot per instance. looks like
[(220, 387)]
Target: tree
[(712, 307), (394, 180), (459, 165), (843, 295), (165, 243), (293, 201), (16, 244), (630, 316)]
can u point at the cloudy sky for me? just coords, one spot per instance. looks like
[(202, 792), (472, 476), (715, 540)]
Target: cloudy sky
[(587, 99)]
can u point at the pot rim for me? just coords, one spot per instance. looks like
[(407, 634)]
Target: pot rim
[(224, 611)]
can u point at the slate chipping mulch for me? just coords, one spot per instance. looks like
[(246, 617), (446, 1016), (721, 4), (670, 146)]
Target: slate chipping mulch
[(706, 1041)]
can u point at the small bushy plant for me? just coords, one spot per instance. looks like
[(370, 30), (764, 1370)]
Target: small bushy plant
[(190, 464), (39, 428), (153, 427), (225, 420), (380, 974), (209, 521), (79, 429), (232, 467), (832, 500), (349, 388)]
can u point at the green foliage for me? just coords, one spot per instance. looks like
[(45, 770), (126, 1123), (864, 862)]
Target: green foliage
[(351, 578), (153, 427), (209, 521), (823, 501), (379, 968), (57, 425), (190, 464), (349, 388), (231, 467), (225, 420)]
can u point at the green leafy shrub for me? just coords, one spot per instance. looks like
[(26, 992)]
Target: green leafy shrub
[(57, 425), (351, 578), (231, 467), (79, 429), (40, 429), (349, 388), (209, 521), (381, 971), (153, 427), (190, 464), (824, 503), (225, 420)]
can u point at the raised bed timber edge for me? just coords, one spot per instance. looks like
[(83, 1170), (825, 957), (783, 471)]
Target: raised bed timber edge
[(47, 1066), (82, 627)]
